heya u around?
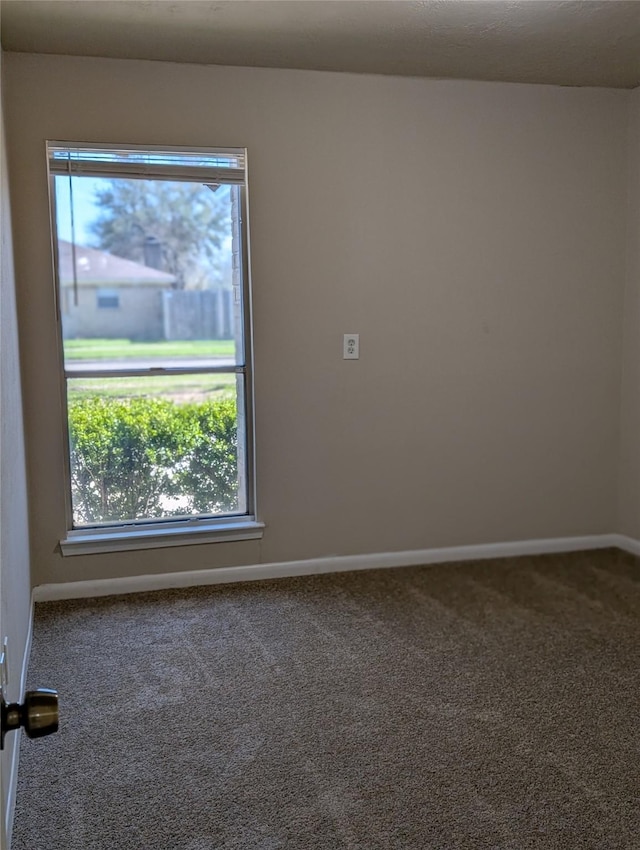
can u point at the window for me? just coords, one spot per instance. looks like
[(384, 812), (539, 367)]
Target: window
[(153, 302), (108, 299)]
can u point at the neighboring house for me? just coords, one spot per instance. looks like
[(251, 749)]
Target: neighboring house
[(110, 297)]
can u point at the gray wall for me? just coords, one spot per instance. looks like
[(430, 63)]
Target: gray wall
[(15, 584), (472, 233), (629, 504)]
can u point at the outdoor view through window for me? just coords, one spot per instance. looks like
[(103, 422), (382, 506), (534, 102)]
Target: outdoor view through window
[(153, 315)]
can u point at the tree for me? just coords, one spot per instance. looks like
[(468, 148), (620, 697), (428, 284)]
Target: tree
[(187, 224)]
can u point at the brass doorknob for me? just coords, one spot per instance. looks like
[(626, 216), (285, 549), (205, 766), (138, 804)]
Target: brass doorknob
[(38, 714)]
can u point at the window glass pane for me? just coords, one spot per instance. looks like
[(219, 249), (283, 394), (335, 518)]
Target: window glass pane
[(149, 273), (157, 447)]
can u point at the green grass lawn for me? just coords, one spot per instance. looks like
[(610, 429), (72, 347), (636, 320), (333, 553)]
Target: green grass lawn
[(122, 349), (177, 388)]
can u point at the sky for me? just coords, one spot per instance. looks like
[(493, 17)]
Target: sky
[(86, 211)]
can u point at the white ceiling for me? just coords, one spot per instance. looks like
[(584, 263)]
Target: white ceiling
[(587, 43)]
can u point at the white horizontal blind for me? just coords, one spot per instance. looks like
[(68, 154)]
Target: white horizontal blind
[(202, 166)]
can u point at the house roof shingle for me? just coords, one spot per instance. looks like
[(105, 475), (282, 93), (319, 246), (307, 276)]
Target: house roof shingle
[(99, 268)]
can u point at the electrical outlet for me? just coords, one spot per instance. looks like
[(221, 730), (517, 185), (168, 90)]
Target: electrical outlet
[(351, 347)]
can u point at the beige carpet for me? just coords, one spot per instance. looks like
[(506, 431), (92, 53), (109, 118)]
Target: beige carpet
[(485, 705)]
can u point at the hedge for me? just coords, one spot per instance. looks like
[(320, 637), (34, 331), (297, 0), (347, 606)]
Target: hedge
[(143, 458)]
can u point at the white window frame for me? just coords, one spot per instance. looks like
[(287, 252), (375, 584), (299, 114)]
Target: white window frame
[(160, 532)]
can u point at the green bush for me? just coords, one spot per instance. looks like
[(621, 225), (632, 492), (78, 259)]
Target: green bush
[(143, 458)]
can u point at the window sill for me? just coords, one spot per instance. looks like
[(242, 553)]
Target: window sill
[(92, 541)]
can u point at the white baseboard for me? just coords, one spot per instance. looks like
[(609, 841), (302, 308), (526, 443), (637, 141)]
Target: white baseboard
[(627, 544), (332, 564), (12, 782)]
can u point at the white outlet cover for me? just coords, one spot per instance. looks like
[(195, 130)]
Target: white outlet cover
[(351, 347)]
